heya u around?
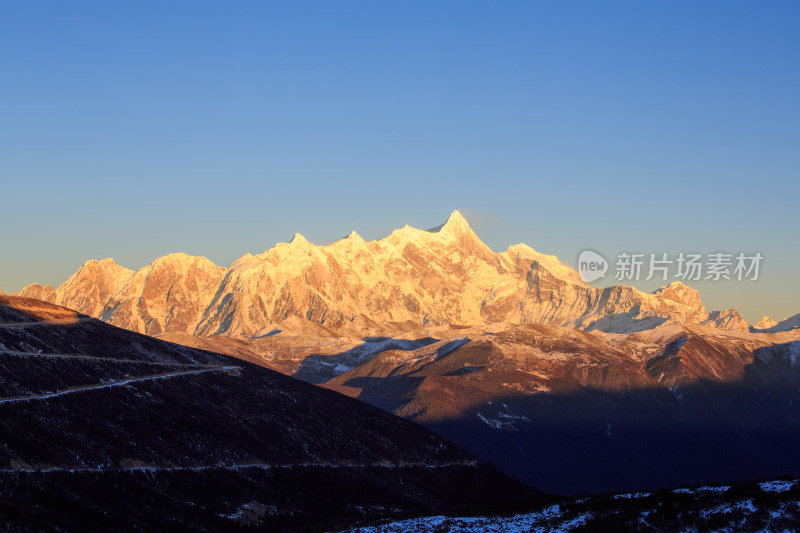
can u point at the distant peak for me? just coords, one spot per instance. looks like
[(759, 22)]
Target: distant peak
[(174, 256), (766, 323), (456, 216), (352, 239), (522, 248), (298, 239), (678, 285), (182, 258), (456, 223), (105, 262), (104, 267), (682, 294)]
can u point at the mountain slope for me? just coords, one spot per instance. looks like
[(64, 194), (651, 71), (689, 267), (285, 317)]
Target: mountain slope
[(580, 412), (105, 428), (572, 411), (441, 276)]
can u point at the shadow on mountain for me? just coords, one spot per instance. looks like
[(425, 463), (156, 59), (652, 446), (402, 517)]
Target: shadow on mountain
[(393, 392), (271, 333), (595, 440)]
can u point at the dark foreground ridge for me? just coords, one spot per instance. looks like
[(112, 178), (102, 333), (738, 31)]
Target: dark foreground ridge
[(105, 429)]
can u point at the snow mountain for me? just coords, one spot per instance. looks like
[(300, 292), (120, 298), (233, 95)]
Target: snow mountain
[(445, 275)]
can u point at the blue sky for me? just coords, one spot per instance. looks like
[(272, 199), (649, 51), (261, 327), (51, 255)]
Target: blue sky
[(135, 129)]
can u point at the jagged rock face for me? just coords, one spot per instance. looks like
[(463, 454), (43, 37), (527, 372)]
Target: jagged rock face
[(444, 275), (87, 290), (411, 275), (93, 285), (169, 295)]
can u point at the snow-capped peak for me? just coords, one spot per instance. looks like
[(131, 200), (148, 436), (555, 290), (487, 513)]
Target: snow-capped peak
[(298, 239), (766, 323), (455, 224)]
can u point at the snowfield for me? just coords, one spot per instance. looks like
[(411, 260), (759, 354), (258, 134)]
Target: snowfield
[(536, 522), (761, 506)]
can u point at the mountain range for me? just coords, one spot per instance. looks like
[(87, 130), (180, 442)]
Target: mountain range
[(445, 275), (573, 389)]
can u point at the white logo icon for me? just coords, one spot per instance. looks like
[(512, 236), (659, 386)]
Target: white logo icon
[(591, 266)]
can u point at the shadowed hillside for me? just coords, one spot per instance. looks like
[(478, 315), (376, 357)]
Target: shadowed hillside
[(106, 427)]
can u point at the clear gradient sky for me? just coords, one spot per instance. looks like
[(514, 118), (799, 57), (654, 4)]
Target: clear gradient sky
[(134, 129)]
